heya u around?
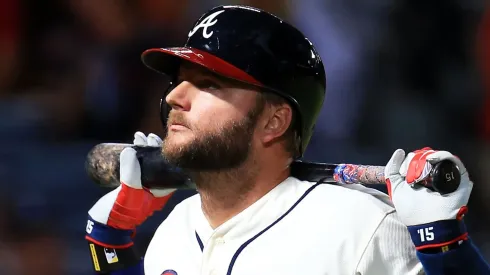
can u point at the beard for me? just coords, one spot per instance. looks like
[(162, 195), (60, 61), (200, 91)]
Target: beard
[(225, 148)]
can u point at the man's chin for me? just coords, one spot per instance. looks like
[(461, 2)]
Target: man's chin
[(172, 154), (177, 140), (170, 149), (175, 145)]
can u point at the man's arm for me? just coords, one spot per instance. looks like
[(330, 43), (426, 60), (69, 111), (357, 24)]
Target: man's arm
[(107, 261), (392, 251), (435, 221), (463, 259), (112, 250), (113, 219), (444, 247), (124, 269)]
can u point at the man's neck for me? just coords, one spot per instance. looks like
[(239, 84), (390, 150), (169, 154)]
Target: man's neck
[(225, 194)]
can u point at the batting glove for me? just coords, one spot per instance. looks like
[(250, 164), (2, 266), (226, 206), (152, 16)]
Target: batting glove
[(434, 220), (114, 217)]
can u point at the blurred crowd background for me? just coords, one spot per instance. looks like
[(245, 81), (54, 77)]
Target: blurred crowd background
[(401, 74)]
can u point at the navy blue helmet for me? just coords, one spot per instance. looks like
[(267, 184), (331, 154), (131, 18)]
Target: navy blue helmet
[(255, 47)]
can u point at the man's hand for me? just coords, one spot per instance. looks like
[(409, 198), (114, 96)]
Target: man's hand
[(434, 220), (115, 216)]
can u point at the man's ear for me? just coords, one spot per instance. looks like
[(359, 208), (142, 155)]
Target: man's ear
[(278, 118)]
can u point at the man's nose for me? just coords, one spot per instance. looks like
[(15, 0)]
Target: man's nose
[(180, 97)]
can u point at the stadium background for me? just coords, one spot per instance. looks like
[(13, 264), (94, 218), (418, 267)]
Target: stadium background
[(400, 74)]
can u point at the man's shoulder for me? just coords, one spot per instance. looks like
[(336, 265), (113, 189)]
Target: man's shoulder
[(188, 203), (358, 212), (352, 214), (352, 200), (184, 211), (181, 217)]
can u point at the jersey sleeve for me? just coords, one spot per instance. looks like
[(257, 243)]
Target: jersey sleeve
[(390, 250)]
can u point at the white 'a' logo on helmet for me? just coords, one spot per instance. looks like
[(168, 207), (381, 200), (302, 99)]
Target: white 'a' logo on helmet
[(204, 24)]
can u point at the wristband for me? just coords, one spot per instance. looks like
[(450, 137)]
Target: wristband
[(107, 236), (438, 234)]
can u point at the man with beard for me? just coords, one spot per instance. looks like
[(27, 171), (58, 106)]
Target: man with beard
[(245, 95)]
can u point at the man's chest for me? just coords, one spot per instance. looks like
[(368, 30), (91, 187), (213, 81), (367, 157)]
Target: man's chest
[(284, 248), (314, 233)]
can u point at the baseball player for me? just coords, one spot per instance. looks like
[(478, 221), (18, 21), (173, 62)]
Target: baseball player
[(246, 91)]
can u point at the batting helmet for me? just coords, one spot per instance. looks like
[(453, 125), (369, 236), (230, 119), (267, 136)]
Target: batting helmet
[(256, 47)]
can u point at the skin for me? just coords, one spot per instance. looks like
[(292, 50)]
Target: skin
[(227, 139)]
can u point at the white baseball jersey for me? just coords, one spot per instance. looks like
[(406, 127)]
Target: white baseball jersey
[(297, 228)]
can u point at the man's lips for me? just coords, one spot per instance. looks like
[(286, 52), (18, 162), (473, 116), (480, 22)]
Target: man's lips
[(177, 122), (177, 126)]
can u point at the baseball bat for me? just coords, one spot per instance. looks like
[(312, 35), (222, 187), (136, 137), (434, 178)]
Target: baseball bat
[(102, 166)]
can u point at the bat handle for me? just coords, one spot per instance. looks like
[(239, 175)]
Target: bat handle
[(444, 178)]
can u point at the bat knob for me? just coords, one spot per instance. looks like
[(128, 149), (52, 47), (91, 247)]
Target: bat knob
[(445, 177)]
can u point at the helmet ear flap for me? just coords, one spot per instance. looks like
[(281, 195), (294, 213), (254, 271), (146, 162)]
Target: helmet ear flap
[(164, 107)]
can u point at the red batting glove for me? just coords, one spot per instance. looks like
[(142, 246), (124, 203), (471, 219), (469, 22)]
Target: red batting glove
[(129, 205)]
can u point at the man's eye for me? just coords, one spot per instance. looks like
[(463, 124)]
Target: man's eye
[(207, 84)]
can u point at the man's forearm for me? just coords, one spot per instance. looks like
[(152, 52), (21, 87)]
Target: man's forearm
[(112, 250), (465, 259), (107, 261)]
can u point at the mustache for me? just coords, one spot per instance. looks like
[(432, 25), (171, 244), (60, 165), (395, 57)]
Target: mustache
[(177, 118)]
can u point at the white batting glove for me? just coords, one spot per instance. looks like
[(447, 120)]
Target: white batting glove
[(434, 220), (130, 171), (120, 211)]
